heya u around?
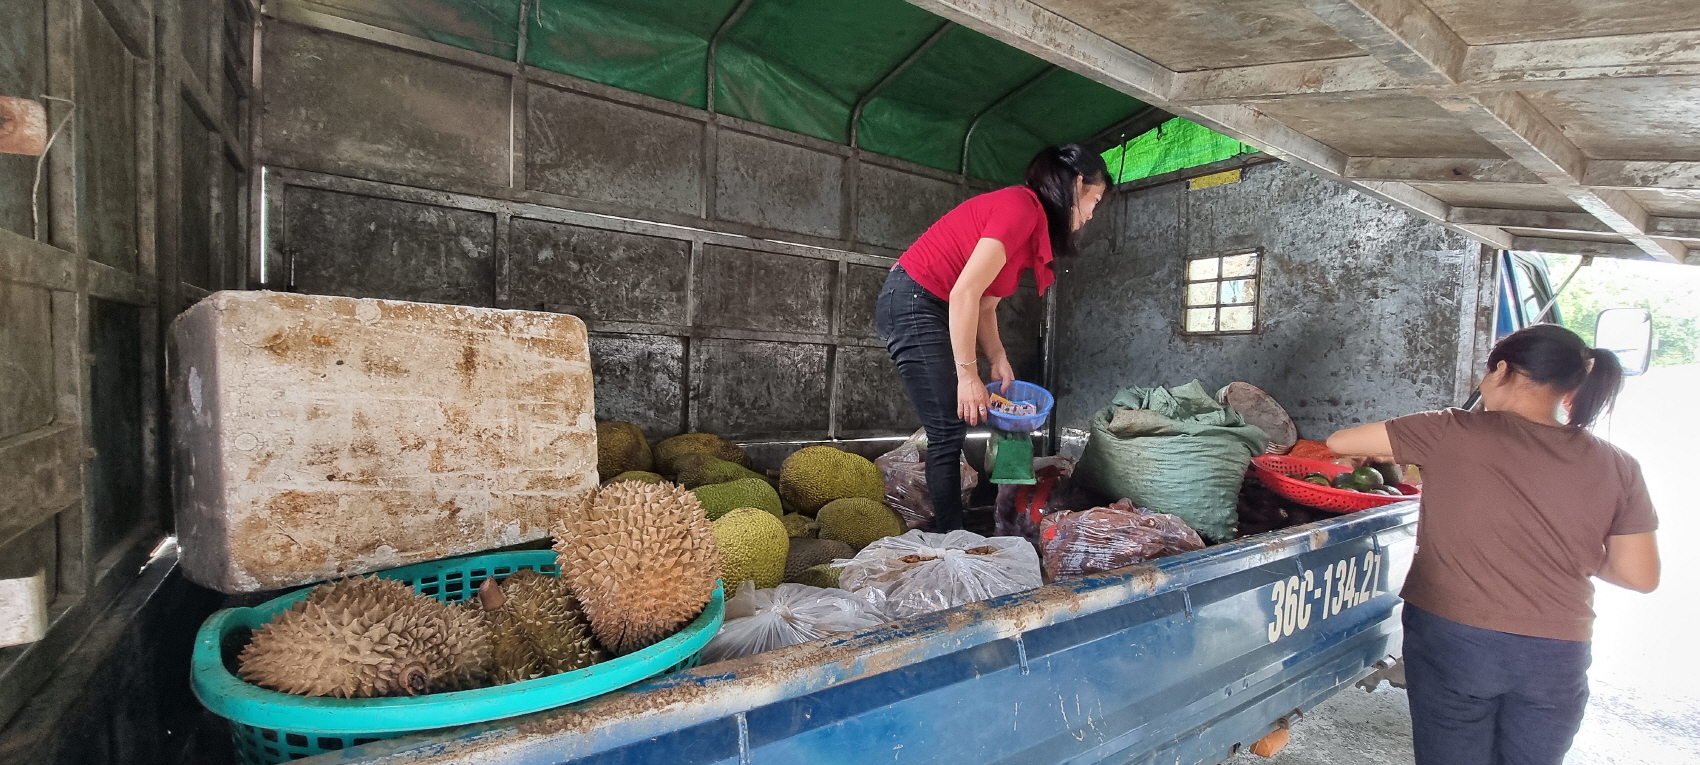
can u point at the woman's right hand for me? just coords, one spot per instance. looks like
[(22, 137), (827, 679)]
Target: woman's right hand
[(971, 399)]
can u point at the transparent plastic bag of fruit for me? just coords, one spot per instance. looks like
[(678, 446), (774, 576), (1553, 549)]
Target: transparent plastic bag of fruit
[(758, 621), (921, 572), (1079, 543), (905, 471)]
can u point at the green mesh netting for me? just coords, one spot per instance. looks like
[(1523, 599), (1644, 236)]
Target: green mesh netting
[(799, 65), (1174, 145)]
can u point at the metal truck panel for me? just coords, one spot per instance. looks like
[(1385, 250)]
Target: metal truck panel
[(1179, 661)]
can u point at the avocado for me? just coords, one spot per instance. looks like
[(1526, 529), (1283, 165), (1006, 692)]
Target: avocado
[(1347, 480), (1318, 479), (1390, 473), (1368, 478)]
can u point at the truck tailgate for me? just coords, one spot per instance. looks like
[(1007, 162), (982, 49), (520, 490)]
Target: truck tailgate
[(1179, 661)]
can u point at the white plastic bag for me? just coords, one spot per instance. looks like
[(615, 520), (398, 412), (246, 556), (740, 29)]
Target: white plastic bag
[(921, 572), (763, 620)]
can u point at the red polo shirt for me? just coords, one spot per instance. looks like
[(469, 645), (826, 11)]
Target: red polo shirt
[(1012, 216)]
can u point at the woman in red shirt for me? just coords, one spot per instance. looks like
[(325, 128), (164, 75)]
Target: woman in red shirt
[(942, 297)]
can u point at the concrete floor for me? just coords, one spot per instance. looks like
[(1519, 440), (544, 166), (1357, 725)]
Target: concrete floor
[(1645, 708)]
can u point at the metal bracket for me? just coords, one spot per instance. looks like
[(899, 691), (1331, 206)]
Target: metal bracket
[(968, 137), (914, 55)]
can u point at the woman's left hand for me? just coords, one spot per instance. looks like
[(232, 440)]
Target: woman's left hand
[(1001, 372)]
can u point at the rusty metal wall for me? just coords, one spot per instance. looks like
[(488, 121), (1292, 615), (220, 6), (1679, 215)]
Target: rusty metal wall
[(143, 209), (727, 270), (1367, 311)]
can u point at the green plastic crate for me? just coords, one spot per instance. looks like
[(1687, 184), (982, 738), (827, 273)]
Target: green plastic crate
[(271, 727)]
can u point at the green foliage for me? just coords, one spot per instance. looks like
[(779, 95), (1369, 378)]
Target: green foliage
[(1665, 289)]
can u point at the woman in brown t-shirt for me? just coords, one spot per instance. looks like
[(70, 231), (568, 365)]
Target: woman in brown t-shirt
[(1520, 511)]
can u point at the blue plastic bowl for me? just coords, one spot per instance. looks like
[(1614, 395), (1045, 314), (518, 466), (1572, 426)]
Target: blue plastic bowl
[(1021, 391), (272, 727)]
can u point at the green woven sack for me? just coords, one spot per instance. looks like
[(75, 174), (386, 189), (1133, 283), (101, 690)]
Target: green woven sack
[(1173, 450)]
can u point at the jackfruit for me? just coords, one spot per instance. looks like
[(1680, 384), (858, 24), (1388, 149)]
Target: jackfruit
[(643, 476), (753, 546), (800, 526), (808, 553), (620, 447), (823, 575), (721, 498), (816, 475), (859, 521), (364, 637), (641, 559), (707, 443), (536, 627), (695, 469)]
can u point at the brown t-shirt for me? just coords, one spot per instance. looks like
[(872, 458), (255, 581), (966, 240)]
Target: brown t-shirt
[(1514, 519)]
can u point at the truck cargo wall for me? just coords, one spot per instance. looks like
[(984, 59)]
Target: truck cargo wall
[(1367, 312), (727, 271), (142, 211)]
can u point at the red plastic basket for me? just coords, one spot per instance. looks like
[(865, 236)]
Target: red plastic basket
[(1285, 476)]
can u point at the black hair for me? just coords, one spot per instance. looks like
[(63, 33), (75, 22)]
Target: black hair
[(1555, 356), (1051, 175)]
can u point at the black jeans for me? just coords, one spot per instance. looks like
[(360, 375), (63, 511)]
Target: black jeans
[(1482, 697), (915, 326)]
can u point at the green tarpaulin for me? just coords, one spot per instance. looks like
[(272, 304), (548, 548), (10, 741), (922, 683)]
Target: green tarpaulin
[(799, 65), (1174, 145)]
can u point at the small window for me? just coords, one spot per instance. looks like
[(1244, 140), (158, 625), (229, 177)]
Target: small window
[(1221, 293)]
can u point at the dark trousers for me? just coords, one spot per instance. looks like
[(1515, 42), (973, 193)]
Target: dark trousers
[(915, 326), (1481, 697)]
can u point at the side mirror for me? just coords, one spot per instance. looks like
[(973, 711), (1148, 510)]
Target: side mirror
[(1627, 332)]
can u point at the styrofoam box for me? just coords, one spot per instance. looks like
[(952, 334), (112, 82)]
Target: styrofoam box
[(315, 437)]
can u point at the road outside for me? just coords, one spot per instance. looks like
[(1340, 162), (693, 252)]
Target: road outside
[(1646, 705)]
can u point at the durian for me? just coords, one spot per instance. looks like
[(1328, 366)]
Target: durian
[(637, 475), (753, 545), (799, 525), (641, 559), (694, 469), (823, 575), (815, 475), (620, 448), (671, 449), (536, 627), (858, 521), (368, 636), (722, 498), (807, 553)]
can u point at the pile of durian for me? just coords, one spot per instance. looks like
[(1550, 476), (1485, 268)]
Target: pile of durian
[(823, 504), (638, 560)]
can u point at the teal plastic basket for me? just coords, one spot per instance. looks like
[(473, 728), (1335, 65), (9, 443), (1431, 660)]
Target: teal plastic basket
[(271, 727)]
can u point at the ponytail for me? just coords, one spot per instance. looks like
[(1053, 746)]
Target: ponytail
[(1051, 175), (1599, 389), (1552, 355)]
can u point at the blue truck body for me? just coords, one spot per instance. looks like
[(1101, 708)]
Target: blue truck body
[(1184, 660)]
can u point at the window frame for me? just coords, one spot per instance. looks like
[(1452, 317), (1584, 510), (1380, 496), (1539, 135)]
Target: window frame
[(1256, 304)]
